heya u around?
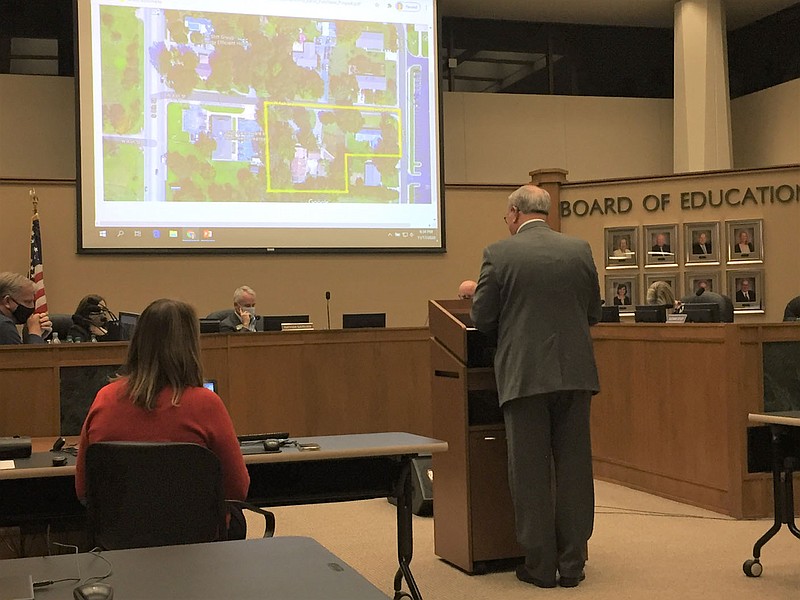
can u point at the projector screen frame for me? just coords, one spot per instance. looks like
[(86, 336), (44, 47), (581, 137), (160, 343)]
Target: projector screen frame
[(436, 172)]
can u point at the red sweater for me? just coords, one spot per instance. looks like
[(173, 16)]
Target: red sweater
[(200, 418)]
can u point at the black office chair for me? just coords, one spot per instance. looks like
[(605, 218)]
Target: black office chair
[(221, 315), (61, 325), (141, 494)]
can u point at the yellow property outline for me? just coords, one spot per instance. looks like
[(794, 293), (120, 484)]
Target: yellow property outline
[(347, 155)]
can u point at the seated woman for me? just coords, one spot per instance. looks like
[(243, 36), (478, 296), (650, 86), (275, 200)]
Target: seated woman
[(660, 294), (159, 397), (91, 318)]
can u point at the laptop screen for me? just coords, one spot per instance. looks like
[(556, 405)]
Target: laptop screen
[(210, 384), (127, 323)]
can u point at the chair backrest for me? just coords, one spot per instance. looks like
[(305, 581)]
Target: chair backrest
[(61, 325), (141, 494), (221, 315)]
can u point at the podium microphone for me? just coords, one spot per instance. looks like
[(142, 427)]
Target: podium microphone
[(328, 307)]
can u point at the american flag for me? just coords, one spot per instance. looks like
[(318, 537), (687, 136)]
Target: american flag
[(37, 270)]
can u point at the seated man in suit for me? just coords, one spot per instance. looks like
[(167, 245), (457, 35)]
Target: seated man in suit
[(17, 306), (702, 246), (244, 308), (744, 293), (792, 310), (707, 297), (467, 289)]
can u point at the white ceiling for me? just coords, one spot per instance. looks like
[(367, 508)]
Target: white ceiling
[(644, 13)]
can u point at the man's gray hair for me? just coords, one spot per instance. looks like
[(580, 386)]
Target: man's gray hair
[(12, 283), (241, 291), (530, 199)]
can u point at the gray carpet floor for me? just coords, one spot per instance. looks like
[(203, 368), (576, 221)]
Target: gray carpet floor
[(643, 547)]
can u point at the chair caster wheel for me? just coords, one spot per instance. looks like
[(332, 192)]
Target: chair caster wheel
[(752, 568)]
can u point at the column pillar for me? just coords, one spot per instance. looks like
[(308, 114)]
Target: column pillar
[(702, 113), (551, 181)]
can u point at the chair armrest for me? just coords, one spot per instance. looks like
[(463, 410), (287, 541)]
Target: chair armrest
[(269, 518)]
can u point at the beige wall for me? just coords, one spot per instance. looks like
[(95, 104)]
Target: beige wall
[(766, 127), (399, 285), (781, 222), (37, 127), (492, 139), (498, 138)]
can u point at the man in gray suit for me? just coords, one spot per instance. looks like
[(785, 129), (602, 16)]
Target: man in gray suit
[(538, 294)]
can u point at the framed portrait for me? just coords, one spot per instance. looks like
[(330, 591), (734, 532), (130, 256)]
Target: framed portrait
[(694, 281), (671, 278), (745, 241), (701, 243), (622, 247), (661, 245), (623, 291), (746, 289)]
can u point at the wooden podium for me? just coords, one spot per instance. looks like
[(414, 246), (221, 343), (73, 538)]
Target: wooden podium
[(473, 513)]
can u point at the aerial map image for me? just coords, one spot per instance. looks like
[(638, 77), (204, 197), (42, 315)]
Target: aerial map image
[(216, 107)]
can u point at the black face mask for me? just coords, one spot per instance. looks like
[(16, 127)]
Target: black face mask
[(22, 313)]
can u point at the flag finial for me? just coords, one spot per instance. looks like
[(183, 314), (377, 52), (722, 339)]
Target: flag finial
[(34, 200)]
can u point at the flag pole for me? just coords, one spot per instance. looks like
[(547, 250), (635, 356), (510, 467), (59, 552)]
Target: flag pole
[(36, 274)]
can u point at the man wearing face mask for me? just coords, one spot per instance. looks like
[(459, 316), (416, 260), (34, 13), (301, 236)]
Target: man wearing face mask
[(17, 308), (244, 317)]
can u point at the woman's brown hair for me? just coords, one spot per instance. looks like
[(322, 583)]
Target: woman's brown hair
[(164, 352)]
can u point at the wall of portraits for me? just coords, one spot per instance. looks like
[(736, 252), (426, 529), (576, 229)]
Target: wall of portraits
[(704, 250), (730, 233)]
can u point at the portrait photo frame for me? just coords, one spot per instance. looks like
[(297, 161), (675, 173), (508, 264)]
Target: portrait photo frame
[(622, 247), (660, 245), (672, 278), (630, 281), (745, 241), (701, 243), (694, 280), (751, 299)]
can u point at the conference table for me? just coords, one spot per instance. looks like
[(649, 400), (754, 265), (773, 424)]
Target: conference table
[(784, 460), (287, 567), (346, 467)]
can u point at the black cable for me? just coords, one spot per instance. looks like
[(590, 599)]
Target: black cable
[(41, 584)]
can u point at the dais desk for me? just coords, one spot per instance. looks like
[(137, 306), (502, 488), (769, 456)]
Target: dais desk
[(325, 382)]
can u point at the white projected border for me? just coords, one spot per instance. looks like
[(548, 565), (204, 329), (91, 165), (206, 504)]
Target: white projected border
[(201, 117)]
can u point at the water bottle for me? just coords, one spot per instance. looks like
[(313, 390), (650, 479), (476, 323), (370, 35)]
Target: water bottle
[(54, 339), (94, 338), (77, 339), (69, 339)]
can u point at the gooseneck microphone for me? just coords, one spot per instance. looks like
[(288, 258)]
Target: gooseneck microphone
[(328, 307)]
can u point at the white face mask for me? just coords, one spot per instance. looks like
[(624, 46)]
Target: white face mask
[(250, 309)]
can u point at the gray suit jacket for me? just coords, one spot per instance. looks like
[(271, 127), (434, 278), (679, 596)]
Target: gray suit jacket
[(538, 294)]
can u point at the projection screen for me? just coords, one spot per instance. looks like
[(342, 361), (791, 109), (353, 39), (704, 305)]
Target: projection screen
[(245, 125)]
